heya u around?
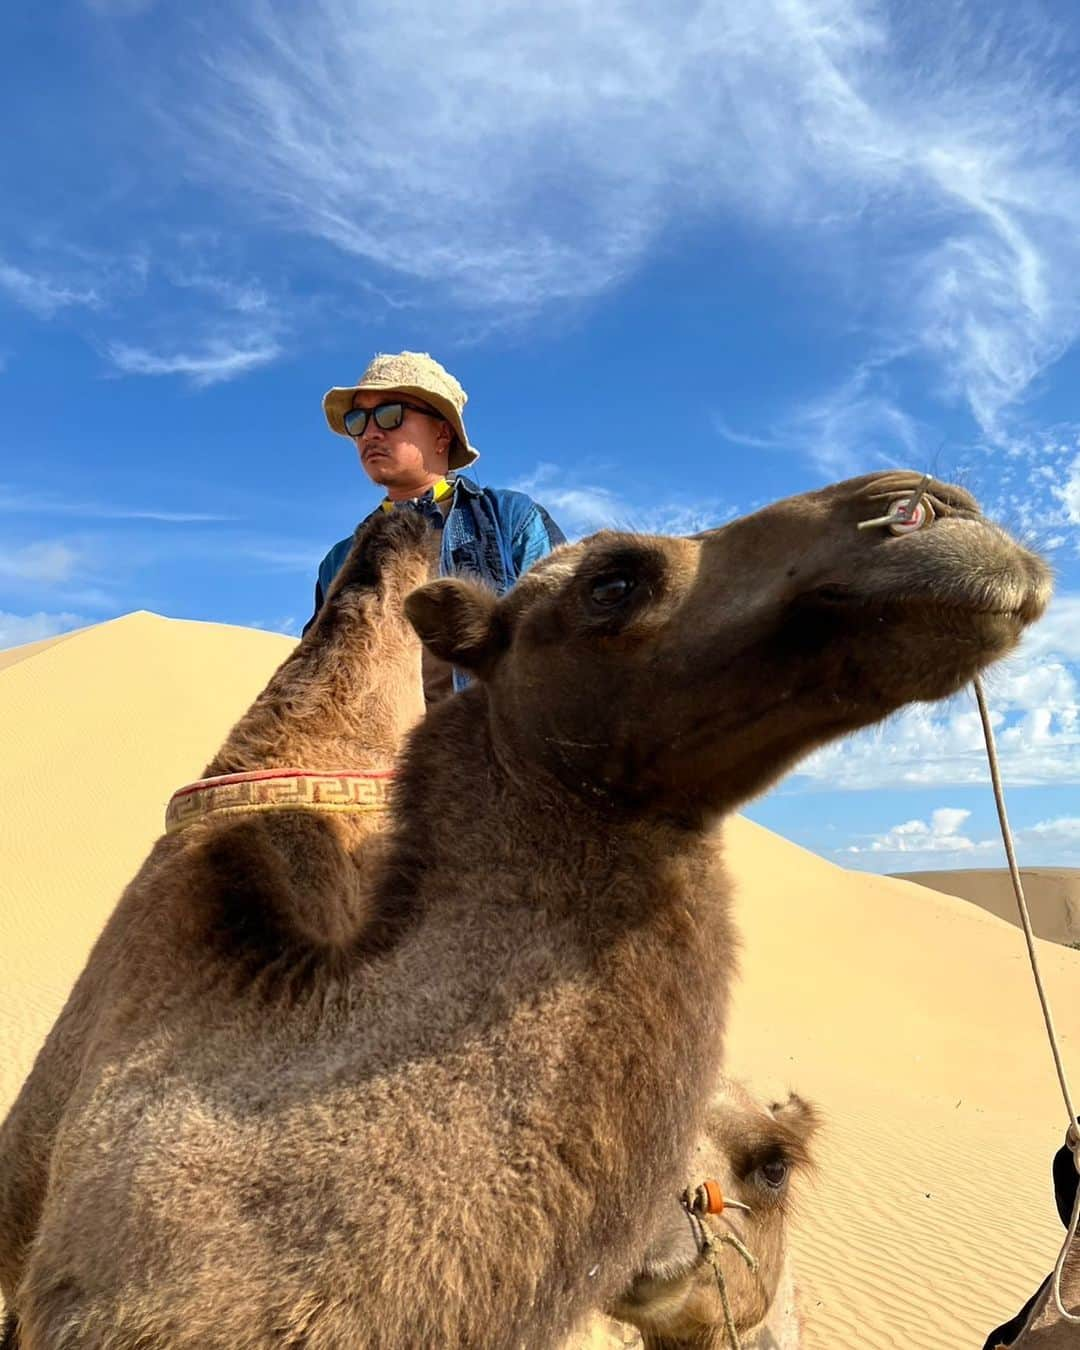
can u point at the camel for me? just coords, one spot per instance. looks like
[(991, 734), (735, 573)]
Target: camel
[(753, 1152), (443, 1110), (360, 716)]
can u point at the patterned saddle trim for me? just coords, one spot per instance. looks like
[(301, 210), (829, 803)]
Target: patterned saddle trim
[(279, 790)]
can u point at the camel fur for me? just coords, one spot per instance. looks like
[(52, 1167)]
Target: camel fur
[(298, 1099)]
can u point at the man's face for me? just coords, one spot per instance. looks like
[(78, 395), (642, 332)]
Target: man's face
[(408, 455)]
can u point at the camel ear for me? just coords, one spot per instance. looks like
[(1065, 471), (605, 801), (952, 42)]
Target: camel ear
[(457, 621)]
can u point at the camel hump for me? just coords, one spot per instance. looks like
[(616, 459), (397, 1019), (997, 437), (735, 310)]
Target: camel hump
[(280, 891)]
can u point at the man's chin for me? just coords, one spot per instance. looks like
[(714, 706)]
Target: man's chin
[(379, 469)]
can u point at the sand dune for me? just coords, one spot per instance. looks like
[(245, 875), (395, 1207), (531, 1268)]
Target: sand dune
[(908, 1015), (1052, 893)]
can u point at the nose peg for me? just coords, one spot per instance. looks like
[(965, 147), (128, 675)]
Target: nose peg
[(708, 1198)]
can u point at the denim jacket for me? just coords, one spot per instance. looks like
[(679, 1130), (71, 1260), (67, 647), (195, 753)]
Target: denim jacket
[(490, 534)]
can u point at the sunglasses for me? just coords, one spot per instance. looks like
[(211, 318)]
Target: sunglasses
[(388, 416)]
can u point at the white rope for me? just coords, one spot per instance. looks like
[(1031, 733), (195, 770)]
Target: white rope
[(1071, 1138)]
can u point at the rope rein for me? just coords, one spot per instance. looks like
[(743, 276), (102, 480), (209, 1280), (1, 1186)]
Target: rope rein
[(713, 1243), (1072, 1137), (907, 514), (709, 1199)]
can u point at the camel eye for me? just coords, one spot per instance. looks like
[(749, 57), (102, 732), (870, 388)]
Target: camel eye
[(774, 1172), (610, 590)]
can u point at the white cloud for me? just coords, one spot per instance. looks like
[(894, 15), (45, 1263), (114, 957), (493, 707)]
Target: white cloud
[(16, 629), (942, 843), (853, 428), (43, 295), (1034, 699), (219, 359), (1056, 635), (44, 563), (289, 625), (1063, 831), (1069, 493), (582, 508), (542, 151), (244, 297), (210, 321), (941, 834)]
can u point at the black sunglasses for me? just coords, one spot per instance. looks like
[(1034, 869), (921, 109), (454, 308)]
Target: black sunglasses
[(388, 416)]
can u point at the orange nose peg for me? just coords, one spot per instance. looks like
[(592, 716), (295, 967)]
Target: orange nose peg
[(708, 1198)]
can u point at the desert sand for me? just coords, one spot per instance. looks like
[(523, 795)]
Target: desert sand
[(1052, 894), (908, 1015)]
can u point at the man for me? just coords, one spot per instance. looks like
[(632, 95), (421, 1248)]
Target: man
[(405, 417)]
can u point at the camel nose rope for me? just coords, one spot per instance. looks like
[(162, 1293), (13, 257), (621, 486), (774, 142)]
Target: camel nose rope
[(708, 1198), (907, 515), (713, 1242), (1072, 1137)]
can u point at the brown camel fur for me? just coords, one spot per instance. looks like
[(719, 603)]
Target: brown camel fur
[(754, 1152), (452, 1129), (344, 698), (740, 1133)]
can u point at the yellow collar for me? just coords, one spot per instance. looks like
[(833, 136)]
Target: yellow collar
[(439, 492)]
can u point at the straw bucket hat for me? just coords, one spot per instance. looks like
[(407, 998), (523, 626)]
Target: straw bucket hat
[(415, 374)]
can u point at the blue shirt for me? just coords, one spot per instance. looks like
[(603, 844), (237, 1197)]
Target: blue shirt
[(490, 534)]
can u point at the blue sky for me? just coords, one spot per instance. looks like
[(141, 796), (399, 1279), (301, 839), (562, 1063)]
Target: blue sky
[(685, 263)]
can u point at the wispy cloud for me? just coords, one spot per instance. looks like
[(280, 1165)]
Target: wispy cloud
[(276, 556), (218, 360), (119, 9), (208, 319), (855, 427), (41, 294), (1069, 493), (14, 502), (46, 563), (288, 625), (1062, 830), (16, 629), (758, 441), (543, 152), (245, 297), (581, 507)]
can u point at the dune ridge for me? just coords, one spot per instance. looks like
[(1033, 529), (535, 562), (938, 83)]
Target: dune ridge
[(1052, 894)]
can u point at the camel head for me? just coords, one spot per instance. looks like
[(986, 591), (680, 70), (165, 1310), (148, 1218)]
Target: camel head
[(757, 1155), (683, 675)]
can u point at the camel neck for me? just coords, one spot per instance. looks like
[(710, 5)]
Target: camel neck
[(352, 688), (467, 813)]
